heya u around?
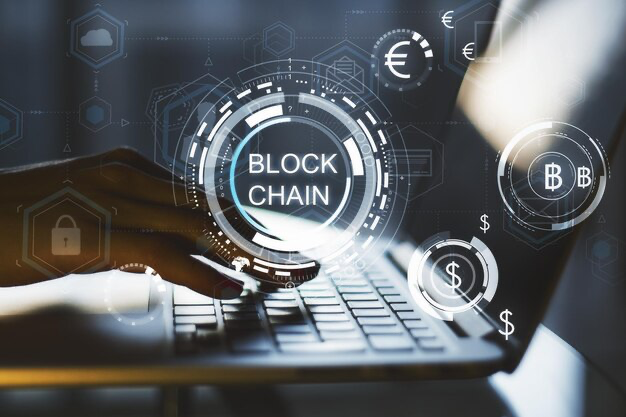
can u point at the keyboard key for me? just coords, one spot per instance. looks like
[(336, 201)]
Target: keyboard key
[(241, 300), (314, 286), (415, 324), (360, 297), (281, 296), (241, 316), (193, 310), (365, 304), (395, 299), (412, 315), (354, 290), (380, 342), (351, 282), (296, 338), (395, 329), (325, 347), (383, 284), (321, 301), (184, 329), (185, 296), (401, 307), (291, 328), (330, 317), (367, 312), (376, 321), (376, 277), (283, 290), (388, 291), (319, 294), (239, 308), (326, 309), (334, 326), (329, 335), (377, 329), (422, 333), (291, 319), (197, 320), (430, 344), (250, 342), (293, 311), (280, 303)]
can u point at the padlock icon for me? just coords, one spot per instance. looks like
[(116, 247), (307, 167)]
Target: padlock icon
[(65, 240)]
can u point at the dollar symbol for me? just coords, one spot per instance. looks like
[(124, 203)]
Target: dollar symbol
[(508, 326), (485, 225), (553, 180), (451, 270)]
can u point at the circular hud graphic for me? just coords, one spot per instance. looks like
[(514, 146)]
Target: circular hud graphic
[(406, 57), (552, 176), (451, 276), (296, 171)]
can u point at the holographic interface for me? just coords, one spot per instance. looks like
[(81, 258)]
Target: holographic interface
[(297, 170)]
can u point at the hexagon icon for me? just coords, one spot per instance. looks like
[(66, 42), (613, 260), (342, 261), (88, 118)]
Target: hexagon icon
[(279, 39), (11, 124), (94, 114), (602, 248), (66, 233), (97, 38), (422, 162)]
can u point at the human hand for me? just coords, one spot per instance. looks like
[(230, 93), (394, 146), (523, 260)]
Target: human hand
[(147, 228)]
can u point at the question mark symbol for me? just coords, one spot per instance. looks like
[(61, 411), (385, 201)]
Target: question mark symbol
[(290, 107)]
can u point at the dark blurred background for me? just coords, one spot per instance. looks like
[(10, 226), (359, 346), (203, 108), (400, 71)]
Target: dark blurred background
[(564, 59)]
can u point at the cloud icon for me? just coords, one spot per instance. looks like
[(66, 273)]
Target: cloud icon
[(97, 37)]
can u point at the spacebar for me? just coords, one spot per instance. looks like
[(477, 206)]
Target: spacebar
[(325, 347)]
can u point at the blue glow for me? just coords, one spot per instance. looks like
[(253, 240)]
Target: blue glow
[(231, 179)]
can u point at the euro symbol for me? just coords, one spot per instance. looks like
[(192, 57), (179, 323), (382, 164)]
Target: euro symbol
[(446, 19), (468, 51), (391, 56)]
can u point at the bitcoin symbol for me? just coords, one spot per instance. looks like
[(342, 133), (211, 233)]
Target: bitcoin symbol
[(456, 280), (584, 177), (391, 56), (508, 326), (552, 172), (485, 225)]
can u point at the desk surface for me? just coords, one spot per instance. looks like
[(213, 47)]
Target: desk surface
[(553, 380)]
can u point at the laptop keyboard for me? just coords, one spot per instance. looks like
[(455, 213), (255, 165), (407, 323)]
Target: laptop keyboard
[(325, 315)]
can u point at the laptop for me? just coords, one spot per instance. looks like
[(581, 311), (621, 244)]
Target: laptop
[(119, 328)]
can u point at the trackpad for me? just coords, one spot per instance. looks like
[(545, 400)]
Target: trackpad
[(109, 317)]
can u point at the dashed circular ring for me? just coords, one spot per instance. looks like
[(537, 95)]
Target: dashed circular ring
[(407, 59), (552, 176), (297, 171), (444, 292)]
